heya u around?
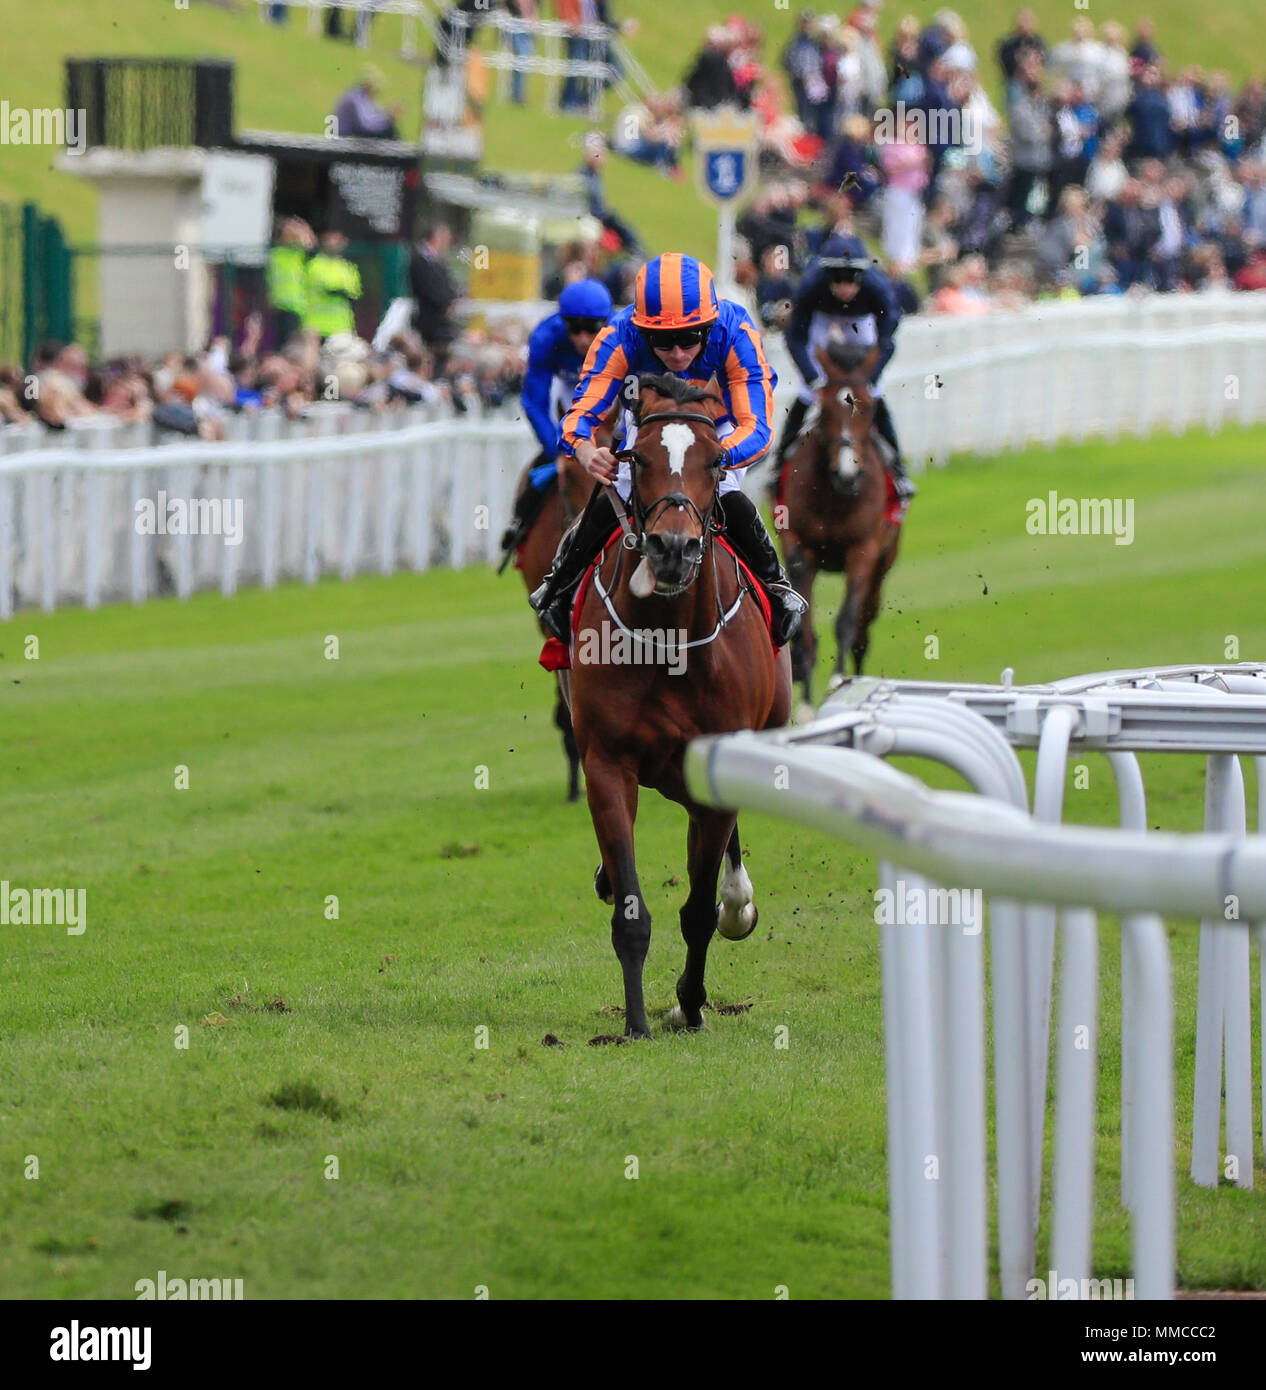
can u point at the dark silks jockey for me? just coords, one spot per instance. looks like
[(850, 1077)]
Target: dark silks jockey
[(842, 291), (556, 354), (677, 325)]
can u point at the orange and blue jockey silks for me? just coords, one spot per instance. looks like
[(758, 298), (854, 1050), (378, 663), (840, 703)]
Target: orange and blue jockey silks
[(733, 355), (674, 291)]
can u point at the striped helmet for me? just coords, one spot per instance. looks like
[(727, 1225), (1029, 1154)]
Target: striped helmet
[(675, 291)]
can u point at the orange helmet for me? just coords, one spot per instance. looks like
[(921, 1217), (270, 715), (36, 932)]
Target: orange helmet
[(675, 291)]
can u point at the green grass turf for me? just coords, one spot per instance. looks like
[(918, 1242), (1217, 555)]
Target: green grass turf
[(462, 909), (314, 70)]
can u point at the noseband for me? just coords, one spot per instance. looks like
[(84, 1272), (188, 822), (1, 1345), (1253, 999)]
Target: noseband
[(644, 516)]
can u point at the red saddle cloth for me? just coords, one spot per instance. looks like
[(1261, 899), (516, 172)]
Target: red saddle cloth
[(556, 655), (894, 507)]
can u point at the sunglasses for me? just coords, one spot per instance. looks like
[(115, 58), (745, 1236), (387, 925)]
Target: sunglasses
[(844, 275), (662, 339), (583, 325)]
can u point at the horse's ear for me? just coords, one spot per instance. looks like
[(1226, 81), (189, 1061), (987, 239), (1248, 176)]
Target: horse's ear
[(713, 406)]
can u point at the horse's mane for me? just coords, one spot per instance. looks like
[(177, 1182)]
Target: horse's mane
[(683, 392)]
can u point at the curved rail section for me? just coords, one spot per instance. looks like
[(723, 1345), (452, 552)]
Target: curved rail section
[(1038, 876)]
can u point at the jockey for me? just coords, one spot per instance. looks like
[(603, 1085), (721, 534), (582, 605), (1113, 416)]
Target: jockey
[(843, 289), (556, 353), (676, 325)]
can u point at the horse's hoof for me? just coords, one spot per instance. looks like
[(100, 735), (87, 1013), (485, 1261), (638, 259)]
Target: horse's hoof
[(676, 1022), (602, 885), (805, 713), (735, 922)]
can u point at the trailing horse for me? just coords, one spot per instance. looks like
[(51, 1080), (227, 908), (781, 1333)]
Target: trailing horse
[(533, 555), (671, 642), (837, 511)]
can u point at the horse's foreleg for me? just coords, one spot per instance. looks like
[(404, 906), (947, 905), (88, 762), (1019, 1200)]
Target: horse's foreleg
[(562, 721), (859, 568), (804, 646), (861, 643), (612, 789), (705, 847)]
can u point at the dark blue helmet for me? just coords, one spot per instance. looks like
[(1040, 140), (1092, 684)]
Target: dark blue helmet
[(845, 253), (585, 299)]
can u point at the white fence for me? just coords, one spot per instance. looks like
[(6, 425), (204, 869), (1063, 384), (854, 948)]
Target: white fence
[(347, 491), (1036, 872)]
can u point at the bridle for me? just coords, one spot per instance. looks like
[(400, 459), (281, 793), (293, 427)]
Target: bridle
[(643, 515), (636, 540)]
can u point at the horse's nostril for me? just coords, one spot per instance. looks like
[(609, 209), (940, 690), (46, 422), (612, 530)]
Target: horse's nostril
[(655, 544), (693, 550)]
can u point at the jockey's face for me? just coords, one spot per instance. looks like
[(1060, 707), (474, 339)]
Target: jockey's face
[(845, 290), (677, 359)]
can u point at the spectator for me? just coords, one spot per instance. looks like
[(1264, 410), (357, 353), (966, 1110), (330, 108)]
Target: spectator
[(850, 165), (651, 132), (1149, 118), (1081, 60), (434, 292), (1114, 90), (870, 59), (1029, 116), (710, 82), (359, 114), (1024, 38), (333, 286), (61, 372), (939, 246), (1073, 239), (1144, 54), (965, 292), (288, 277), (1131, 230), (802, 61), (1076, 138), (906, 166), (577, 91), (591, 173), (522, 45), (1106, 174)]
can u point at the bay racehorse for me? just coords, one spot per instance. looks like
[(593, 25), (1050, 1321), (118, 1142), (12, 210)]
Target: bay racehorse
[(563, 504), (835, 512), (699, 661)]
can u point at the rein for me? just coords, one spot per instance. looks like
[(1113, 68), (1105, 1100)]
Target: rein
[(636, 539)]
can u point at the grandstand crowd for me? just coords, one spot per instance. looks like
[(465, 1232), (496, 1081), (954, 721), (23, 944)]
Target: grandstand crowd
[(1107, 169)]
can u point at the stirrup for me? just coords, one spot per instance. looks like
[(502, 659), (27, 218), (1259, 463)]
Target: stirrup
[(904, 486)]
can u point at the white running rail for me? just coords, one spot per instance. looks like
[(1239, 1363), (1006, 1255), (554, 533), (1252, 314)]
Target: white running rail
[(1036, 874)]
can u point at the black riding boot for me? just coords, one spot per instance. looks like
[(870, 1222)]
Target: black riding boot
[(885, 428), (576, 551), (792, 426), (527, 507), (746, 532)]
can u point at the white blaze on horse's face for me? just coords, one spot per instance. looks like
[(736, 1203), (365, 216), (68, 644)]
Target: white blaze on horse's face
[(846, 463), (676, 438)]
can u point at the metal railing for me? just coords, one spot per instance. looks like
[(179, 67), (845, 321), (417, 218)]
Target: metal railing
[(1041, 876)]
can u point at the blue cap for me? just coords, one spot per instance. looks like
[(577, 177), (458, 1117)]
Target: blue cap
[(845, 252), (585, 299)]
